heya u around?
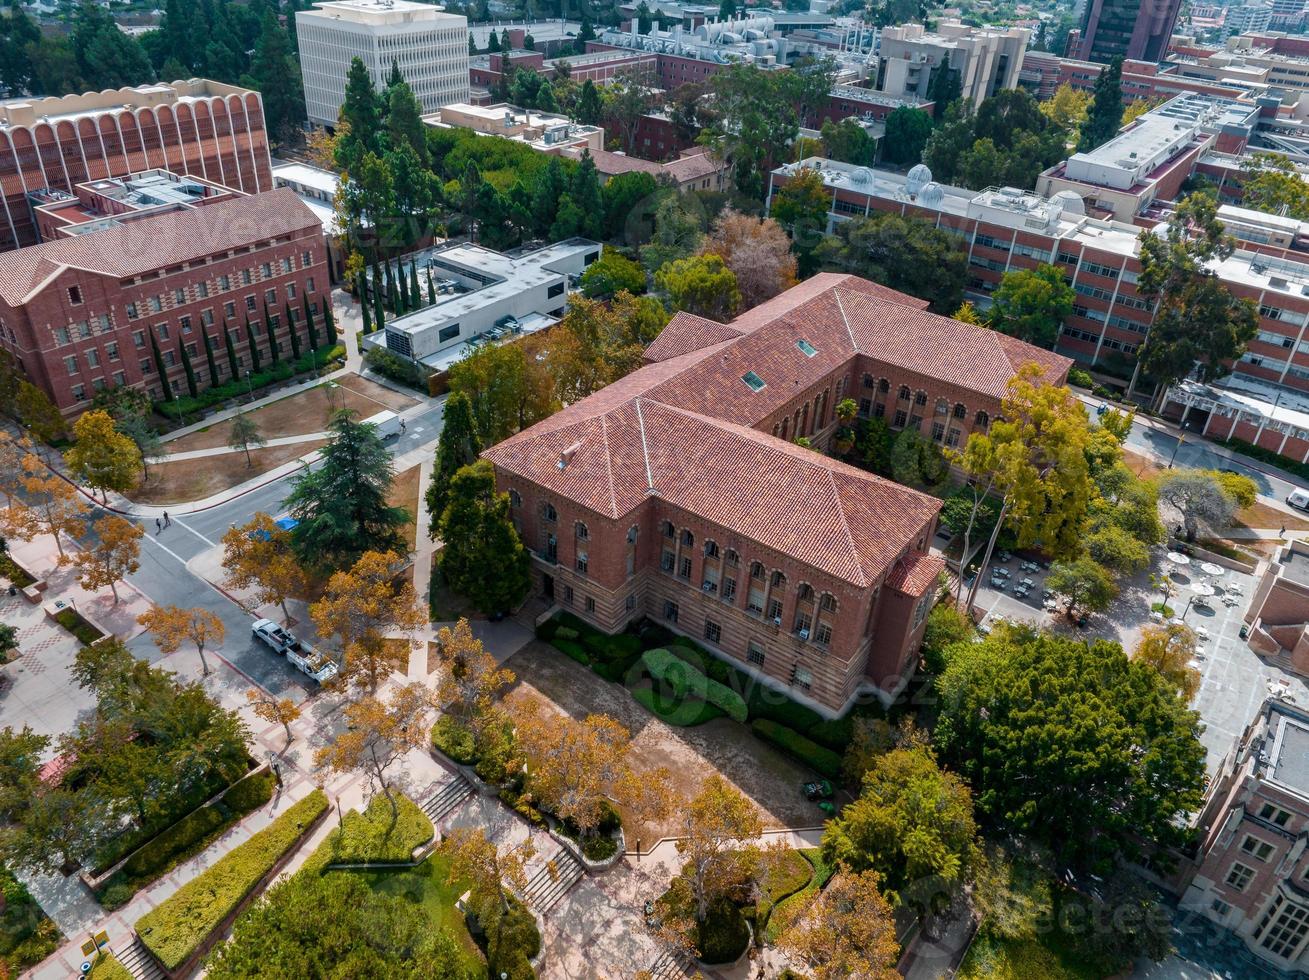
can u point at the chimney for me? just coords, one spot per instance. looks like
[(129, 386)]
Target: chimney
[(567, 455)]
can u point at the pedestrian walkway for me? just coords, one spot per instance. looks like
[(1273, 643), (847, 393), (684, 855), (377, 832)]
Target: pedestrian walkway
[(228, 450)]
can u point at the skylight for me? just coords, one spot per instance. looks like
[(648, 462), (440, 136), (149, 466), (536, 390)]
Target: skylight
[(806, 348), (755, 382)]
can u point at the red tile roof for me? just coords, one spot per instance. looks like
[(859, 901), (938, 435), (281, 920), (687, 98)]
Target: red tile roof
[(680, 429), (915, 574), (147, 244)]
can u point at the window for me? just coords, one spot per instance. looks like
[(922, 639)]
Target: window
[(729, 589), (670, 610), (306, 259), (246, 277), (250, 304), (778, 580), (1239, 876), (202, 289), (731, 558), (590, 604), (70, 362), (111, 350), (667, 560), (93, 358), (79, 393), (669, 531), (515, 498), (938, 431), (774, 611), (185, 323), (806, 348), (75, 295), (555, 290), (757, 570), (630, 603), (224, 283), (207, 318), (551, 548), (83, 330), (286, 266), (266, 269), (900, 418), (448, 332), (156, 304), (960, 411), (549, 513), (920, 398), (684, 567), (942, 407), (309, 285), (632, 532), (179, 297), (1274, 814), (904, 393), (1260, 849), (581, 531), (801, 678), (754, 654), (803, 623), (568, 594), (132, 311), (688, 539), (712, 631), (62, 336), (1220, 907), (981, 420), (170, 358), (146, 365), (710, 549), (582, 562), (823, 635), (753, 381), (290, 290), (1283, 928), (270, 295), (883, 386)]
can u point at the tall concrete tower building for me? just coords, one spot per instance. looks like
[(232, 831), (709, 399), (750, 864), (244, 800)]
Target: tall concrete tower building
[(429, 45), (1135, 29)]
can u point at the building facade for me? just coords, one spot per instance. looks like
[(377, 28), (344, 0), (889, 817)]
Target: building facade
[(678, 492), (986, 60), (429, 46), (1278, 615), (202, 128), (114, 305), (1137, 29), (1249, 877)]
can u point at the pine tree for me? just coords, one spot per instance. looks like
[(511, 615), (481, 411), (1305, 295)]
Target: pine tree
[(254, 346), (231, 353), (389, 289), (295, 336), (458, 448), (209, 358), (364, 307), (310, 326), (589, 108), (1106, 112), (415, 297), (493, 42), (379, 317), (483, 558), (431, 289), (329, 323), (191, 385), (585, 194)]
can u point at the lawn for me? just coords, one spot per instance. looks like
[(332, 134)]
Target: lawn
[(404, 493), (820, 874), (426, 885), (195, 479), (1009, 959), (375, 835), (26, 935)]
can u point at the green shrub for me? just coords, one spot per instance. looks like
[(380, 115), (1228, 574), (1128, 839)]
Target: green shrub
[(375, 835), (108, 968), (511, 944), (524, 808), (397, 368), (547, 630), (173, 930), (674, 676), (599, 848), (1267, 456), (16, 573), (571, 650), (683, 712), (250, 794), (723, 936), (823, 761), (454, 740), (765, 702), (70, 620), (1080, 377), (235, 388), (565, 633), (722, 696), (150, 860), (27, 936)]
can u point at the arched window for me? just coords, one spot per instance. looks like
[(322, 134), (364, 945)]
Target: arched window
[(981, 419), (710, 549), (960, 412), (942, 407), (582, 531), (779, 580), (688, 539), (883, 386), (757, 570), (669, 530), (514, 499), (806, 593), (905, 393), (868, 381), (786, 423), (920, 398), (828, 602), (731, 557), (632, 532), (549, 513)]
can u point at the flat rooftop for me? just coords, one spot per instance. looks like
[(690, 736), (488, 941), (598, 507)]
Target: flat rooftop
[(1295, 566), (1288, 759), (89, 105), (307, 176), (381, 13)]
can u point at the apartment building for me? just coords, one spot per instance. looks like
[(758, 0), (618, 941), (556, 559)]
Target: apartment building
[(988, 60), (199, 127), (1137, 29), (1044, 73), (1249, 876), (429, 46), (678, 492), (118, 296)]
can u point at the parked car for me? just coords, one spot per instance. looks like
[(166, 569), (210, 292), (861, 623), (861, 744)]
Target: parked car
[(301, 656)]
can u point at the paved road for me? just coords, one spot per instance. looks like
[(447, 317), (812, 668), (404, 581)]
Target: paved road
[(165, 578)]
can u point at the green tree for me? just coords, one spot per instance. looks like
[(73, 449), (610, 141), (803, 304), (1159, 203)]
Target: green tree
[(361, 118), (415, 297), (584, 191), (611, 273), (1032, 304), (1271, 183), (1084, 582), (276, 74), (906, 452), (621, 196), (342, 506), (192, 386), (272, 337), (1106, 112), (905, 253), (310, 327), (243, 434), (589, 109), (210, 362), (404, 122), (253, 345), (756, 119), (483, 558), (1198, 324), (1113, 547), (1071, 744), (701, 284), (913, 825), (459, 447), (508, 386), (907, 132), (106, 56), (1200, 497), (943, 89), (848, 142)]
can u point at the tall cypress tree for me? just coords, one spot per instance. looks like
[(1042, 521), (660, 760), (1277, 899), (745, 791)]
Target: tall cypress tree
[(379, 317), (364, 307), (431, 289), (458, 447), (1106, 112), (272, 336), (231, 353), (254, 346), (160, 366), (209, 357), (310, 327), (191, 385), (295, 337), (329, 324), (415, 297), (389, 288)]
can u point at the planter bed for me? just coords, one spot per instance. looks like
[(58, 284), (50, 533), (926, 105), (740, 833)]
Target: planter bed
[(77, 624)]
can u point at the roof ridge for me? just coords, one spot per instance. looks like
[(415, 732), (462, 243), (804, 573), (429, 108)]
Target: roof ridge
[(845, 524), (609, 466), (645, 447), (836, 293)]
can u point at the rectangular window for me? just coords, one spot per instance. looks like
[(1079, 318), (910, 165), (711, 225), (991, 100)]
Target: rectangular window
[(582, 562), (753, 381), (1283, 928), (290, 290), (309, 285), (755, 601), (1260, 849), (79, 392), (146, 365), (1274, 814), (162, 330), (185, 322), (306, 260), (224, 283), (132, 312), (179, 297), (207, 318), (83, 329), (286, 266), (1239, 876), (670, 610), (250, 304), (729, 589), (156, 304), (229, 310), (901, 417), (667, 560), (774, 611), (802, 678), (754, 654), (270, 296), (684, 567), (590, 604), (246, 277), (938, 431), (111, 350), (202, 289), (449, 332), (170, 358), (75, 295), (823, 635), (70, 362), (266, 269), (62, 336), (630, 603), (568, 594), (93, 358), (712, 631)]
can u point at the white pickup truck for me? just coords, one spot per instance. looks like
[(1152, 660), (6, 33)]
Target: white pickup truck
[(302, 656)]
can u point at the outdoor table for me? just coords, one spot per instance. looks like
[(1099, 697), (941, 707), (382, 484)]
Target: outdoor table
[(1209, 568)]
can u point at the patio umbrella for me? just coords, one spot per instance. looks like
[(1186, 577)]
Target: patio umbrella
[(1209, 568), (1177, 558), (1204, 588)]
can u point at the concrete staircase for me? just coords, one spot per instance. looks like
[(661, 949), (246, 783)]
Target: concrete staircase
[(136, 960), (447, 798), (674, 964), (559, 872)]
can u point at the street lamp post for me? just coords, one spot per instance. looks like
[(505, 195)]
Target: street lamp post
[(249, 384), (1180, 439)]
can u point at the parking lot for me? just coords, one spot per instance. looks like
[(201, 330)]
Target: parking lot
[(1235, 681)]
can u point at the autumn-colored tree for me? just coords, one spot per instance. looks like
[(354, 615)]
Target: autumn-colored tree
[(487, 869), (102, 457), (846, 933), (471, 681), (597, 343), (258, 555), (113, 557), (757, 250), (171, 626), (702, 285), (575, 767), (378, 732), (716, 826), (1170, 649), (361, 607), (53, 508), (275, 711), (12, 454)]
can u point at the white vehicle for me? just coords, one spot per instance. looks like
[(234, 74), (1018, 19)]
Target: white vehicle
[(1299, 499), (386, 423), (302, 656)]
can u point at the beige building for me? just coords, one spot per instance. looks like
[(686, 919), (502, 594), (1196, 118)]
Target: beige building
[(1250, 874), (543, 131), (988, 60)]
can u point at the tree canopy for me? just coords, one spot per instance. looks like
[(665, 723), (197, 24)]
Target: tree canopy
[(904, 253), (483, 558), (1032, 304)]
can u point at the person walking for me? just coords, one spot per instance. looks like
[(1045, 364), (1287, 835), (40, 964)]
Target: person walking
[(166, 520), (158, 527)]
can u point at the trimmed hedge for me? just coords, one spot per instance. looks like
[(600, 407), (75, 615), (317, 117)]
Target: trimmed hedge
[(250, 793), (19, 576), (684, 713), (667, 668), (454, 741), (73, 621), (374, 835), (1292, 466), (108, 968), (175, 929), (823, 761), (572, 650)]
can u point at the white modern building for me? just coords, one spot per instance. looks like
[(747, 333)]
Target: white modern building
[(988, 60), (429, 45), (485, 296)]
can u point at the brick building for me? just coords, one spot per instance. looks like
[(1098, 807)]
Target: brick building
[(1249, 876), (199, 127), (677, 493), (1278, 615), (79, 312)]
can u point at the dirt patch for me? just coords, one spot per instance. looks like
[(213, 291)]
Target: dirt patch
[(195, 479), (1261, 515), (404, 493), (301, 413), (723, 747)]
